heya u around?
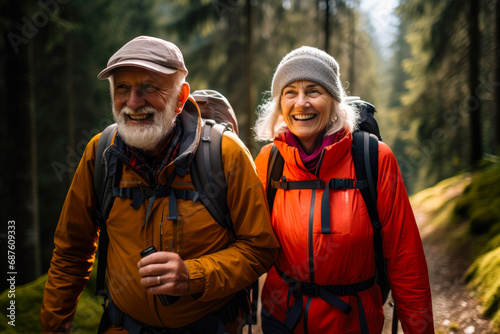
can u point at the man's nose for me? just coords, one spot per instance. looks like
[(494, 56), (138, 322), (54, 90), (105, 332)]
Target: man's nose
[(136, 98)]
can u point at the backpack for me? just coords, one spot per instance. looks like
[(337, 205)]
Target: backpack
[(365, 156), (208, 179)]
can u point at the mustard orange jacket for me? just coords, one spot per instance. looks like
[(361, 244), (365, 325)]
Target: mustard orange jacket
[(218, 265), (346, 256)]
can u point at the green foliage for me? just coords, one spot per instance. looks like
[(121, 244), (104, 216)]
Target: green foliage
[(433, 199), (479, 205), (480, 202), (454, 327), (483, 276), (442, 96), (452, 204), (28, 302), (493, 243)]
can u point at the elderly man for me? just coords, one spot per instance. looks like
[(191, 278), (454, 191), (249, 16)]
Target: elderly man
[(198, 261)]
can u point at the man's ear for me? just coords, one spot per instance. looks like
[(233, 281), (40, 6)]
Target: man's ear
[(183, 95)]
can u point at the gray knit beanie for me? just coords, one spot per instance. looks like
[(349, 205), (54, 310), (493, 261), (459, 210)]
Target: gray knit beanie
[(308, 63)]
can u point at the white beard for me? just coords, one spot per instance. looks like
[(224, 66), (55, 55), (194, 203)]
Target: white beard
[(146, 137)]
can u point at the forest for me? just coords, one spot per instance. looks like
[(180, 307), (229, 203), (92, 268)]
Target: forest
[(436, 84)]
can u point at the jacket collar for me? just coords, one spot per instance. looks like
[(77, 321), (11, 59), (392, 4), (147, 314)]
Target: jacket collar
[(191, 124), (332, 155)]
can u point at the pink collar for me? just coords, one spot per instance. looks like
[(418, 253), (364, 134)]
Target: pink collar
[(310, 161)]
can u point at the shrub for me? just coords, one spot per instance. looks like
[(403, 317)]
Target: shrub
[(480, 201), (28, 302)]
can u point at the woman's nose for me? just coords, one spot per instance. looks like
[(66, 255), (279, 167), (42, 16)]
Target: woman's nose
[(302, 100)]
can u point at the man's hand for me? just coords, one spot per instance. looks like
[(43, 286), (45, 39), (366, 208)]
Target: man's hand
[(164, 273)]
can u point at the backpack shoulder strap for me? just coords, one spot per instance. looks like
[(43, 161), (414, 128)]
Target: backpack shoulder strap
[(103, 190), (365, 156), (275, 166), (99, 167), (208, 172)]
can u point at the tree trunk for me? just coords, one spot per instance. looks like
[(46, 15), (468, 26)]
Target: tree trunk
[(250, 89), (318, 27), (474, 101), (327, 26), (497, 80), (37, 248), (352, 51), (70, 98), (20, 160), (236, 84)]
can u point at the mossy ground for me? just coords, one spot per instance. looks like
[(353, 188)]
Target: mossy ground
[(28, 302), (468, 217), (480, 205)]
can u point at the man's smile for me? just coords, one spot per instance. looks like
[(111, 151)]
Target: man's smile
[(139, 117)]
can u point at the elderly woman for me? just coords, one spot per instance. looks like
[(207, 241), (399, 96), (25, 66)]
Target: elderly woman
[(312, 127)]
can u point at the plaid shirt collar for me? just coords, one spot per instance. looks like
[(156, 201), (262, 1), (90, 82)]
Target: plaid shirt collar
[(150, 167)]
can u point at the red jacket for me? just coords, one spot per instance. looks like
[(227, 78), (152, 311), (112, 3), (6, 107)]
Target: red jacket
[(346, 256)]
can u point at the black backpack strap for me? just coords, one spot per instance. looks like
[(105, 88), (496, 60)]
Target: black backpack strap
[(291, 185), (329, 293), (333, 184), (208, 173), (99, 167), (365, 156), (275, 166), (103, 190)]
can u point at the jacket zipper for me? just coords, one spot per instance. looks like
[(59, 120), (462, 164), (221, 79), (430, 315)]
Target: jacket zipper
[(318, 167), (311, 254), (155, 298)]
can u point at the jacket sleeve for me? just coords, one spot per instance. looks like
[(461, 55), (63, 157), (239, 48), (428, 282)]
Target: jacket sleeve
[(75, 243), (402, 246), (254, 249)]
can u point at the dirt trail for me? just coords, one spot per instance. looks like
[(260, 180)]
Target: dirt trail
[(456, 309)]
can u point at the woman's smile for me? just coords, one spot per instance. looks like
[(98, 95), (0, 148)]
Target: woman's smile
[(304, 117)]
